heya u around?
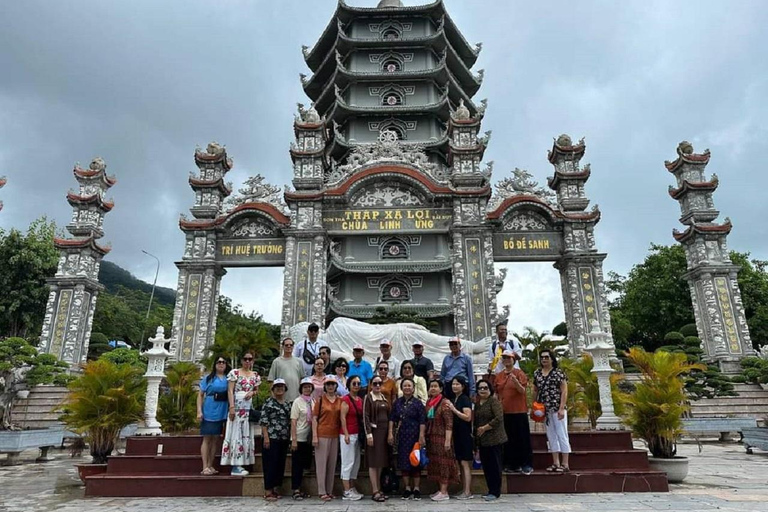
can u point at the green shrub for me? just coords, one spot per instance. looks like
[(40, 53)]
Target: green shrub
[(689, 330), (98, 345), (755, 370), (673, 338), (128, 356), (692, 341), (177, 409), (739, 379)]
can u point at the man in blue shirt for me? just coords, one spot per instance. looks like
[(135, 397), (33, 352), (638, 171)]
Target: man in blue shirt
[(361, 368), (456, 364)]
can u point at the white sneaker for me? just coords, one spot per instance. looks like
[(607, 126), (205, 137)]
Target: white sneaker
[(356, 492), (350, 496), (440, 497)]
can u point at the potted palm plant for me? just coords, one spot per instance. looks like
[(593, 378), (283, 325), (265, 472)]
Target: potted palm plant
[(101, 402), (655, 408)]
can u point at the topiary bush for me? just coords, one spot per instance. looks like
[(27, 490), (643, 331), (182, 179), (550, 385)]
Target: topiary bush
[(673, 338), (689, 330), (98, 345), (755, 370)]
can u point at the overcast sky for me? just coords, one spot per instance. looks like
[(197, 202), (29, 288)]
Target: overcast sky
[(141, 83)]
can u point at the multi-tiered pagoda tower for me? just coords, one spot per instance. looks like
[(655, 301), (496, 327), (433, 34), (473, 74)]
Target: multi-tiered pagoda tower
[(75, 287), (391, 205), (712, 276)]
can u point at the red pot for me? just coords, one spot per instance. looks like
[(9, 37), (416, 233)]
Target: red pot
[(86, 470)]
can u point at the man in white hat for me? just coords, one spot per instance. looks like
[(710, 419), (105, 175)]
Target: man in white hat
[(386, 355), (358, 366), (422, 365)]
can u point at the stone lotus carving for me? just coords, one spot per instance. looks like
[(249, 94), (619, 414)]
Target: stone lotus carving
[(256, 191), (520, 183), (388, 149)]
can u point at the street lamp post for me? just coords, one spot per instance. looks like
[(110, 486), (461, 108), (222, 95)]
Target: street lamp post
[(151, 296)]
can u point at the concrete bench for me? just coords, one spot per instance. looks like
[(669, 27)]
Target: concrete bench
[(720, 426), (13, 442), (755, 438)]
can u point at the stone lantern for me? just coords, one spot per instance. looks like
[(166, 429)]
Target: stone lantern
[(155, 373), (600, 347)]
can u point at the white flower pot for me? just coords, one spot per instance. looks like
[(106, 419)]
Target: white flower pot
[(676, 468), (22, 394)]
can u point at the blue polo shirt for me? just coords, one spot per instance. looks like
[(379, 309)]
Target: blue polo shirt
[(460, 365), (364, 370)]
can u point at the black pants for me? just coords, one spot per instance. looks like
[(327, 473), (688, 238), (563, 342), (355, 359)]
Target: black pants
[(273, 460), (300, 461), (490, 457), (517, 450)]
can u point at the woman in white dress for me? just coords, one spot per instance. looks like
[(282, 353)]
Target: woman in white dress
[(237, 449)]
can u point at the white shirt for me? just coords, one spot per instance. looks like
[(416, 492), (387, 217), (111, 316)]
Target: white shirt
[(516, 347), (394, 366), (313, 348)]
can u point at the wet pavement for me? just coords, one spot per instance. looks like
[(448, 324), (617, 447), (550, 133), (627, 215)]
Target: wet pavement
[(722, 477)]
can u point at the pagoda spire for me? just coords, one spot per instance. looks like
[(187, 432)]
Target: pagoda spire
[(712, 276), (74, 288)]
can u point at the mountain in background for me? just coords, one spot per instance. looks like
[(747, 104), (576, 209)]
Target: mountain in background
[(113, 276)]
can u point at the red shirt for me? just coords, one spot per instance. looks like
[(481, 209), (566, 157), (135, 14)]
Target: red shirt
[(512, 400), (353, 425)]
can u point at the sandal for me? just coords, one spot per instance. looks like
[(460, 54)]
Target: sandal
[(326, 497), (378, 497), (553, 468), (563, 469), (297, 495), (270, 496), (206, 472)]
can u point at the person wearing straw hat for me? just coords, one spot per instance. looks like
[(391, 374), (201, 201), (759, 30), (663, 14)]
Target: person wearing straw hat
[(276, 435)]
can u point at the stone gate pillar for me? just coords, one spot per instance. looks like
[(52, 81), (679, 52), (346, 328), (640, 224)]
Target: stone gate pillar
[(712, 276), (73, 290)]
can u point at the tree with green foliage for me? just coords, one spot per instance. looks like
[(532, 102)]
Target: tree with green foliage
[(123, 356), (26, 261), (22, 366), (753, 283), (707, 382), (98, 345), (106, 398), (397, 314), (121, 315), (533, 342), (754, 370), (177, 407)]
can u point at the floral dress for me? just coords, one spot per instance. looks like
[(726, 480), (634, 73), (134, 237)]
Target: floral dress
[(442, 465), (237, 449)]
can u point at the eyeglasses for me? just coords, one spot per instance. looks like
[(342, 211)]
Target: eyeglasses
[(355, 384), (376, 383), (247, 359), (483, 388), (288, 345), (383, 368), (544, 357), (220, 361), (342, 366)]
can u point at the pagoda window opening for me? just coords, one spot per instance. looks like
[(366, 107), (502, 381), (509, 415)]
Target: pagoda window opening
[(392, 99), (395, 290), (399, 132), (394, 248), (391, 34), (391, 66)]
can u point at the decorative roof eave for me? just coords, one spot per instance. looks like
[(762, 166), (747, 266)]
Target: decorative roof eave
[(323, 72), (81, 243), (593, 215), (401, 266), (219, 183), (703, 229), (76, 200), (435, 10), (327, 40), (208, 224), (342, 110), (687, 186), (344, 187), (522, 198), (569, 176), (692, 158), (369, 310), (88, 175), (562, 146), (202, 158)]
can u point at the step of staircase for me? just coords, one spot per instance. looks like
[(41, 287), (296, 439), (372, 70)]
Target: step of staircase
[(170, 466), (38, 409)]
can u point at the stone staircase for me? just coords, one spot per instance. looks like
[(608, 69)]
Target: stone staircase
[(38, 410), (751, 402), (170, 466)]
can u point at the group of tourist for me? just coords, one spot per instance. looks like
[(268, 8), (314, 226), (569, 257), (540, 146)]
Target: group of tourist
[(338, 410)]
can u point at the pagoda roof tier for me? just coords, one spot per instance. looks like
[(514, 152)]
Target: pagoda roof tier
[(387, 266), (703, 229), (81, 243), (208, 224), (213, 155), (86, 175), (94, 199), (346, 13), (563, 146), (440, 76), (559, 176), (687, 186), (369, 310), (196, 183), (392, 169), (685, 155), (341, 110)]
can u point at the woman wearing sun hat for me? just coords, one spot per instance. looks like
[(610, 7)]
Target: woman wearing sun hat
[(276, 434), (301, 440), (326, 425)]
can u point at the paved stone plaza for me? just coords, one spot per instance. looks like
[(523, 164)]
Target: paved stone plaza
[(723, 477)]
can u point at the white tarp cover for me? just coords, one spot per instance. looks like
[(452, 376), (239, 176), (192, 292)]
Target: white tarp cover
[(343, 333)]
